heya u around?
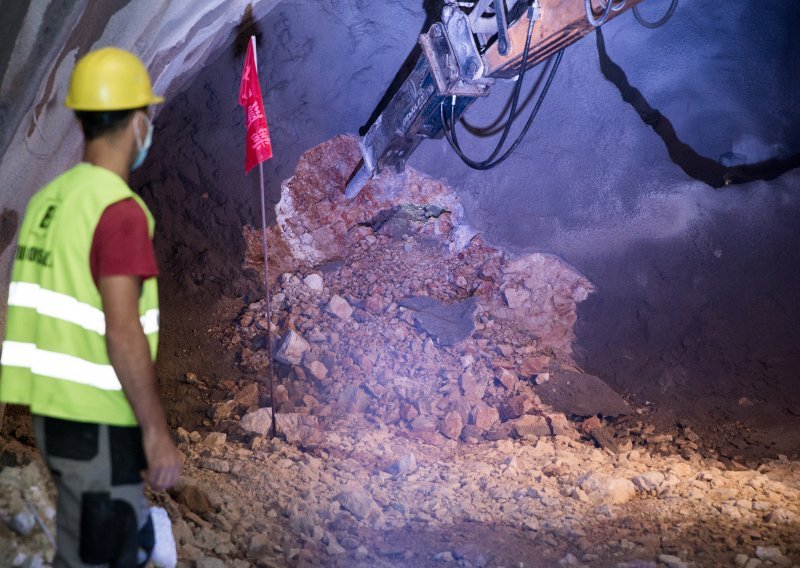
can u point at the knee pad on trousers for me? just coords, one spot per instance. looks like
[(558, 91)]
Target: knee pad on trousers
[(109, 533)]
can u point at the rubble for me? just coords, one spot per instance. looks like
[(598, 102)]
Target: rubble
[(447, 324), (258, 422), (604, 489), (339, 307), (404, 328), (570, 503), (314, 282), (27, 515), (292, 348)]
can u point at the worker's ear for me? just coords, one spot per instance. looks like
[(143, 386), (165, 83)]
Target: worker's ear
[(143, 133), (138, 121)]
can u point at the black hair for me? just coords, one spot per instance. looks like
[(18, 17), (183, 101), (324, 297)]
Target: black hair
[(99, 123)]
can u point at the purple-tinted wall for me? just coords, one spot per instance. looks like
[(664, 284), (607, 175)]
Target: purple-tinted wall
[(696, 285)]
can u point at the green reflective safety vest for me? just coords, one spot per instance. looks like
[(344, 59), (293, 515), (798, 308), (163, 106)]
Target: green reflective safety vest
[(54, 357)]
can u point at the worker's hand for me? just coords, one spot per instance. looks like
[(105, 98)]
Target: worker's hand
[(163, 460)]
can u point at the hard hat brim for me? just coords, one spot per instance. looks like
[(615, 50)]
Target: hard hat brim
[(154, 100)]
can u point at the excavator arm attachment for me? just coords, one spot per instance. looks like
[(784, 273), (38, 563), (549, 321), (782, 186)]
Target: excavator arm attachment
[(462, 54)]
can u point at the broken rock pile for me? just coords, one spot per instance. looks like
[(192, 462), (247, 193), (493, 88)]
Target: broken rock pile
[(393, 307)]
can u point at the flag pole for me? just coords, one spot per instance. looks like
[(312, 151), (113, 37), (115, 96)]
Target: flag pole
[(274, 428)]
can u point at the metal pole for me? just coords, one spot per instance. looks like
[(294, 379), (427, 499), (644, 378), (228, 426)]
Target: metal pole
[(269, 307), (274, 428)]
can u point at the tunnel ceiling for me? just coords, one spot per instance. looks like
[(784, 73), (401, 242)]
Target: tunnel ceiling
[(623, 174)]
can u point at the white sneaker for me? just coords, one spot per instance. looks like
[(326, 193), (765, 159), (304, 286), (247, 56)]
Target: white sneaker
[(165, 554)]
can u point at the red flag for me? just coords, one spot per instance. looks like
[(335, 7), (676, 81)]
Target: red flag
[(258, 144)]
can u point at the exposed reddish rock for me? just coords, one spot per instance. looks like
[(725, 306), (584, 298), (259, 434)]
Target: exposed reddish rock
[(373, 294), (408, 412), (298, 429), (484, 416), (562, 427), (452, 424), (590, 424), (540, 294), (473, 387), (248, 396), (317, 370), (530, 426), (339, 307), (507, 378), (516, 406), (257, 422), (313, 215), (193, 497), (292, 348), (426, 423), (533, 365), (375, 304)]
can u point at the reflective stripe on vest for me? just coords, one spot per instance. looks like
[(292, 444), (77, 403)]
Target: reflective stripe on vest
[(59, 365), (66, 308)]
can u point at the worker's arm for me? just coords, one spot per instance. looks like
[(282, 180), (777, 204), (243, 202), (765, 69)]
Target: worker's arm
[(129, 353)]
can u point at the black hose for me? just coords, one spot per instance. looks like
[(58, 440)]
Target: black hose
[(596, 22), (657, 23), (452, 137), (514, 100)]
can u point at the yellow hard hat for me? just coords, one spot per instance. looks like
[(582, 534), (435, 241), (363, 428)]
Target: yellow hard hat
[(110, 79)]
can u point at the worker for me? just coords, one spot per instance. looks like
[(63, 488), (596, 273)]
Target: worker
[(82, 327)]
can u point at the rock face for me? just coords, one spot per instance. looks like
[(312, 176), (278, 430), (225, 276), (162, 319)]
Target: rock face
[(541, 294), (40, 44), (415, 324), (314, 216), (316, 224)]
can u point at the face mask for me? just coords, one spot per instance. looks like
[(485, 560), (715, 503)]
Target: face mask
[(144, 145)]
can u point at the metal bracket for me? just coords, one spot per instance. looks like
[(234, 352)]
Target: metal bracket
[(454, 61)]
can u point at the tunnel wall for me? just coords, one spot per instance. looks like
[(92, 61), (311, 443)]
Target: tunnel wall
[(40, 44), (695, 288)]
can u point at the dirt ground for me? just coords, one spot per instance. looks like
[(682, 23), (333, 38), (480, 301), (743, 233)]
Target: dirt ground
[(356, 498)]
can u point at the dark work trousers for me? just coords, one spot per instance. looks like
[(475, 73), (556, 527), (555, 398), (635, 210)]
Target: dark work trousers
[(102, 517)]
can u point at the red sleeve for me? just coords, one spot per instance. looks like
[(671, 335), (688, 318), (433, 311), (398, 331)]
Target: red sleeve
[(121, 245)]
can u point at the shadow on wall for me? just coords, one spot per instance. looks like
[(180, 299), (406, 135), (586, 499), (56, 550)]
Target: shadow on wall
[(247, 27), (692, 163), (9, 221)]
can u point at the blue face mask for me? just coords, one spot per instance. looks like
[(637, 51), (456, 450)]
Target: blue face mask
[(142, 145)]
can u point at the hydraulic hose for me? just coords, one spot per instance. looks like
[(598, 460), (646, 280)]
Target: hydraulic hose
[(452, 137), (610, 5), (618, 4), (658, 23), (512, 111)]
